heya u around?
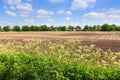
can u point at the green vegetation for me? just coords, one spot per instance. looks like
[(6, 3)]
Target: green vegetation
[(104, 27), (26, 28), (34, 28), (71, 28), (57, 60), (16, 28), (0, 28), (6, 28), (78, 28)]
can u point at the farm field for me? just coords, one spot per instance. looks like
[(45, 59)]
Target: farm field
[(103, 40), (59, 40), (59, 56)]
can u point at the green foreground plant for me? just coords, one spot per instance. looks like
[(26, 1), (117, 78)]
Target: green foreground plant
[(57, 60)]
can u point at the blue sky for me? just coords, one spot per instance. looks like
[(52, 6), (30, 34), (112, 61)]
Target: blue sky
[(59, 12)]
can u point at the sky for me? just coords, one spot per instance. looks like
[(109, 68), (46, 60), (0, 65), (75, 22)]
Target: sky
[(59, 12)]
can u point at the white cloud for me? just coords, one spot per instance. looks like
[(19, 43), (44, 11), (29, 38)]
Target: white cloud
[(94, 15), (67, 19), (12, 2), (29, 20), (24, 15), (44, 13), (11, 13), (17, 4), (60, 12), (68, 13), (56, 0), (113, 11), (81, 4), (113, 16), (104, 16), (24, 7), (108, 14), (12, 7), (21, 8)]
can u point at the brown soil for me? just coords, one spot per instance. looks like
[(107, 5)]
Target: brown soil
[(103, 40)]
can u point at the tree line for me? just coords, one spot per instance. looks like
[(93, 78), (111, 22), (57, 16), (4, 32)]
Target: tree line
[(104, 27)]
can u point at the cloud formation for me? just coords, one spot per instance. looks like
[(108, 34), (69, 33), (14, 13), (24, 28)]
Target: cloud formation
[(42, 13), (94, 15), (22, 9), (67, 13), (29, 20), (108, 14), (67, 19), (12, 2), (81, 4), (11, 13)]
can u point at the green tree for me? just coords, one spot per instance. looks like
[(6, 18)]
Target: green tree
[(6, 28), (26, 28), (44, 28), (16, 28), (117, 28), (90, 28), (63, 28), (105, 27), (98, 27), (52, 28), (113, 27), (95, 28), (56, 28), (70, 28), (86, 28), (34, 28), (0, 28), (59, 28), (78, 28)]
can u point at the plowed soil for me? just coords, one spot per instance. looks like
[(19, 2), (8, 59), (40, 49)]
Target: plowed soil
[(103, 40)]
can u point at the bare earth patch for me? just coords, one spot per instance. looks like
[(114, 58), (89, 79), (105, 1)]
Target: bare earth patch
[(103, 40)]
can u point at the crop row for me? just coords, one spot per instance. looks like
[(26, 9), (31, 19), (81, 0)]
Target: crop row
[(58, 60)]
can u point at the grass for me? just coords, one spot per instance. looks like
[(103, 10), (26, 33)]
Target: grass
[(58, 60)]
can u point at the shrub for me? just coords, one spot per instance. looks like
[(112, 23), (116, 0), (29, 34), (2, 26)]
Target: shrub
[(16, 28), (34, 28), (0, 28), (25, 28), (78, 28), (47, 60), (6, 28), (31, 67), (44, 28)]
